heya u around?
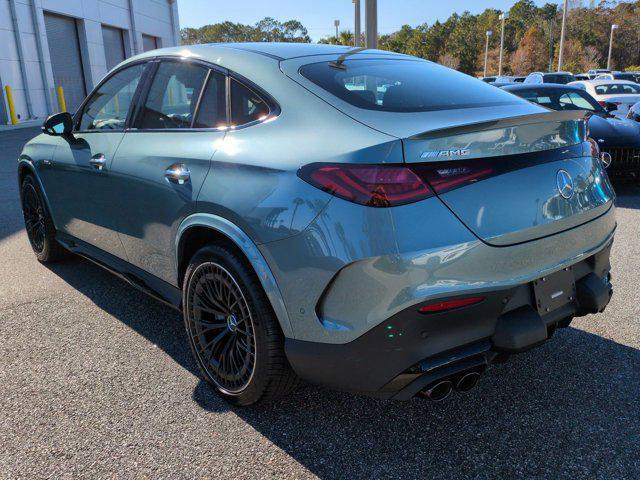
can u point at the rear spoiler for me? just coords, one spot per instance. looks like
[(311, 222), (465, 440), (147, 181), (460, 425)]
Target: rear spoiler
[(535, 118), (505, 136)]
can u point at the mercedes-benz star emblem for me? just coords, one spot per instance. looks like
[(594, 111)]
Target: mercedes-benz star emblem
[(565, 184), (232, 322)]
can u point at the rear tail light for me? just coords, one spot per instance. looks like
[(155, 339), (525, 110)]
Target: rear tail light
[(604, 104), (451, 175), (391, 185), (370, 185), (449, 305)]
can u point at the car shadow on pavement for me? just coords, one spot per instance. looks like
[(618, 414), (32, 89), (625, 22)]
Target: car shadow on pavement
[(628, 195), (567, 409)]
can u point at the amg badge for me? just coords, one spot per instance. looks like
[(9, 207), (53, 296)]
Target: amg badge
[(459, 152)]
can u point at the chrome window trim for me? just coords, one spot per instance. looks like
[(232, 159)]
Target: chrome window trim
[(274, 106)]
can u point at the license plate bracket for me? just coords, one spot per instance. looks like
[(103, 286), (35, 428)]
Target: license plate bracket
[(555, 290)]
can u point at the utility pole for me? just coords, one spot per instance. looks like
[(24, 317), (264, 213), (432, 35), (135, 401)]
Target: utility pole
[(486, 52), (371, 23), (503, 17), (336, 23), (356, 26), (564, 24), (613, 27)]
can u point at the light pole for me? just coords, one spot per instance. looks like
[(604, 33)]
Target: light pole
[(564, 23), (356, 27), (550, 44), (613, 27), (486, 51), (371, 23), (503, 17), (336, 23)]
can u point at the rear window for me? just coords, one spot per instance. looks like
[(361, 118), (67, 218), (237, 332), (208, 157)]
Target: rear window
[(562, 79), (561, 99), (618, 89), (403, 85)]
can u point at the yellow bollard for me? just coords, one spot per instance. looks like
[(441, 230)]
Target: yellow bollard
[(12, 107), (63, 105)]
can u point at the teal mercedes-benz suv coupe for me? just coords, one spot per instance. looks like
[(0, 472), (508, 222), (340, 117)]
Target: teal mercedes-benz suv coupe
[(357, 218)]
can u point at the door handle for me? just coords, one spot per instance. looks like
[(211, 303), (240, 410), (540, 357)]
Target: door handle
[(98, 161), (178, 173)]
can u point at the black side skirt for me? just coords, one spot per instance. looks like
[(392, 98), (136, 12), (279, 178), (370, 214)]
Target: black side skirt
[(136, 277)]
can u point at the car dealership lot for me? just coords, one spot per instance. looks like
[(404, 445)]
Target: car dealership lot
[(97, 380)]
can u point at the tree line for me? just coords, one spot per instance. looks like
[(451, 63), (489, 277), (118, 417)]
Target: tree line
[(531, 40)]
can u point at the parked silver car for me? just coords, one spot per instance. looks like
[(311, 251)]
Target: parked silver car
[(362, 219)]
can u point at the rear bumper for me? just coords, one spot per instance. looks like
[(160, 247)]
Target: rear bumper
[(409, 351)]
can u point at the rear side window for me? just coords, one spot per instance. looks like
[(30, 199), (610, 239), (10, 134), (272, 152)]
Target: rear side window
[(212, 112), (393, 85), (173, 96), (246, 105), (618, 89)]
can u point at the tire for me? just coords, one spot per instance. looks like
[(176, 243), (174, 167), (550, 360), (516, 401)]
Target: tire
[(234, 334), (38, 223)]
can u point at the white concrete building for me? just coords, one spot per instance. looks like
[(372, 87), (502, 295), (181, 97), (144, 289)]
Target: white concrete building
[(45, 44)]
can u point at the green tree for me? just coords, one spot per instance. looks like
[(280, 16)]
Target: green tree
[(465, 42), (266, 30), (345, 38), (532, 54)]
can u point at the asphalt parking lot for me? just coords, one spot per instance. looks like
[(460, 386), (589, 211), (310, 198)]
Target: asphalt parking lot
[(97, 380)]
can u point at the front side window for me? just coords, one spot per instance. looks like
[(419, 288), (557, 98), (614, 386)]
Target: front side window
[(393, 85), (246, 105), (108, 107), (173, 96)]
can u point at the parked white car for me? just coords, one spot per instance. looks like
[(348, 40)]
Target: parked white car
[(561, 78), (631, 76), (622, 93), (593, 73)]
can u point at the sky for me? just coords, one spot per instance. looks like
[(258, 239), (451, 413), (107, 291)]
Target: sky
[(318, 15)]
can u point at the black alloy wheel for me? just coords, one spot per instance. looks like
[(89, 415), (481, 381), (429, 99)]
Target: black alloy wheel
[(233, 331), (38, 223), (221, 327), (34, 219)]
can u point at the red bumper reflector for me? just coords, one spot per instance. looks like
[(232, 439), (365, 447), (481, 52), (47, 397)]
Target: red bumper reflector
[(449, 304)]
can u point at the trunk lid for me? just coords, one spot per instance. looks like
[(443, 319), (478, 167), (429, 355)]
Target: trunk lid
[(515, 180)]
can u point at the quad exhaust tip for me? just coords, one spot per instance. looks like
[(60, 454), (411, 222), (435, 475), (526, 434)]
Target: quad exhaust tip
[(438, 391), (467, 381), (443, 388)]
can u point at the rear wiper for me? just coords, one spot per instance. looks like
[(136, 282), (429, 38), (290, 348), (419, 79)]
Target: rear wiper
[(339, 64)]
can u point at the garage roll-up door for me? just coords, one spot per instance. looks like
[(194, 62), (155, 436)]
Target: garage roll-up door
[(113, 40), (66, 62), (149, 42)]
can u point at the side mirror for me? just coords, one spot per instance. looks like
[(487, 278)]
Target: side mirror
[(58, 124), (610, 106)]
